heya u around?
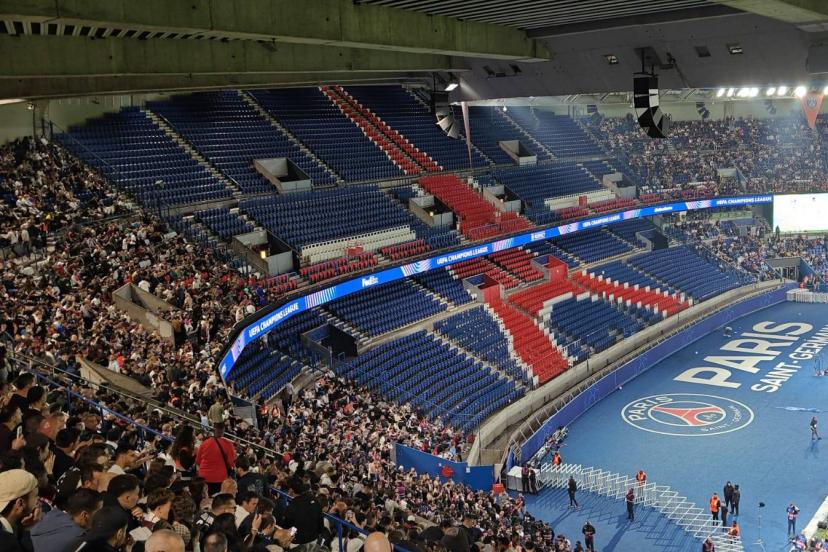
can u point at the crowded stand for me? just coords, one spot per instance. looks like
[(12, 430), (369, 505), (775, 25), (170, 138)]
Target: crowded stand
[(185, 471)]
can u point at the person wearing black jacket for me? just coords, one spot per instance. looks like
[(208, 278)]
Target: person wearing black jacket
[(304, 513), (589, 536), (123, 492), (108, 531)]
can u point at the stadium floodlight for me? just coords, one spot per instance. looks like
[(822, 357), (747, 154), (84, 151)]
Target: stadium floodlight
[(452, 83), (753, 92), (770, 91), (782, 90), (730, 92), (743, 92), (800, 91), (825, 90), (451, 86), (505, 108), (720, 93)]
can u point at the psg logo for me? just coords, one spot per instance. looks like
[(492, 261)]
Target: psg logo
[(687, 414), (811, 102)]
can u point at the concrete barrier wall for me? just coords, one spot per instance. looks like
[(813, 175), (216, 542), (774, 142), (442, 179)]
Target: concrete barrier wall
[(145, 308)]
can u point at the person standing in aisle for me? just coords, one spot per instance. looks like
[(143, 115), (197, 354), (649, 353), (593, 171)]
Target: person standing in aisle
[(723, 513), (737, 496), (814, 434), (630, 500), (572, 488)]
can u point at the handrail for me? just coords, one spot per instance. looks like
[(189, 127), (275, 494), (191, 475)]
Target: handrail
[(195, 423)]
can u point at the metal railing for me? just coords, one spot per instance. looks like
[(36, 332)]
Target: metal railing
[(696, 521)]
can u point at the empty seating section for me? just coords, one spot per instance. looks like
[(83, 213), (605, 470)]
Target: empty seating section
[(403, 250), (441, 282), (287, 336), (262, 370), (489, 127), (140, 158), (434, 377), (396, 107), (335, 267), (224, 223), (592, 245), (571, 213), (683, 269), (478, 218), (230, 133), (473, 267), (535, 184), (589, 325), (560, 133), (408, 157), (531, 344), (475, 330), (517, 262), (534, 299), (628, 229), (546, 247), (310, 116), (304, 218), (616, 281), (386, 308)]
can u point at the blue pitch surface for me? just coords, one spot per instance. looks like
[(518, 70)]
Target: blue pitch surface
[(772, 459)]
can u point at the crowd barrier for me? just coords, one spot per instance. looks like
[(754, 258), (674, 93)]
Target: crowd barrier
[(608, 384), (479, 478), (265, 321)]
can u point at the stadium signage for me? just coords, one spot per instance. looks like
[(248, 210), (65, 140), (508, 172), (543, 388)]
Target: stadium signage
[(257, 328), (764, 343)]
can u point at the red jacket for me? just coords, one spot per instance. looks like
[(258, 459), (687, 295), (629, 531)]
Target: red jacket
[(211, 465)]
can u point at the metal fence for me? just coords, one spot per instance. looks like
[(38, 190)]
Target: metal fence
[(694, 520)]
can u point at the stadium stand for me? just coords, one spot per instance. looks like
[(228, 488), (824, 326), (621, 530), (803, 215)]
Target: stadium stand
[(135, 154), (231, 134), (560, 133), (401, 111), (309, 115)]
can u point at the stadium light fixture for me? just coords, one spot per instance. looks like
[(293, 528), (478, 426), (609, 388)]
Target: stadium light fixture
[(825, 90), (720, 93), (730, 92), (800, 91), (743, 92), (505, 109), (770, 91), (782, 90), (754, 91), (452, 83)]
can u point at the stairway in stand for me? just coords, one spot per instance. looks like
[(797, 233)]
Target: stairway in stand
[(531, 343)]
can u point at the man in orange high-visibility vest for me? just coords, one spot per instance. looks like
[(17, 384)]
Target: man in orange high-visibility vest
[(714, 506), (641, 477)]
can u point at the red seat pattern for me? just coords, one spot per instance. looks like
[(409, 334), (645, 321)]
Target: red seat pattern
[(611, 204), (474, 267), (403, 250), (571, 212), (478, 218), (334, 267), (532, 300), (531, 344), (652, 299), (517, 262), (389, 133)]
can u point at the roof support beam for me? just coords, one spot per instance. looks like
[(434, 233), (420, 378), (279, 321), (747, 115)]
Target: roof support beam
[(98, 66), (789, 11), (322, 22), (689, 14)]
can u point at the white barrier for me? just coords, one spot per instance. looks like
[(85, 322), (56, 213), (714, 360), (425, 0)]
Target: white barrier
[(805, 296), (694, 520)]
